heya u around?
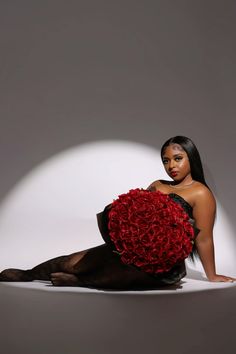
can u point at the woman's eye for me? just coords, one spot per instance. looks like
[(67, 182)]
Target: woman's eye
[(164, 162), (178, 158)]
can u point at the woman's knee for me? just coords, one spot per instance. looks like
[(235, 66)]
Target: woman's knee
[(70, 264)]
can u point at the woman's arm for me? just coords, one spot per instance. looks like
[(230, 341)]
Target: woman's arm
[(204, 211)]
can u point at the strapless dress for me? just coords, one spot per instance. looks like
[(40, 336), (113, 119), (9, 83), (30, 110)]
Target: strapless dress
[(178, 271)]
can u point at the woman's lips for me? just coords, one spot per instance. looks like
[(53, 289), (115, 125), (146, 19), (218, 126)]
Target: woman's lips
[(173, 174)]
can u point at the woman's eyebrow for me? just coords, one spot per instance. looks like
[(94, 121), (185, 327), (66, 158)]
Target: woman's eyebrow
[(175, 155)]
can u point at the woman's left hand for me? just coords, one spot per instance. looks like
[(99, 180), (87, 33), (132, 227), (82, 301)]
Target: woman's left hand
[(222, 278)]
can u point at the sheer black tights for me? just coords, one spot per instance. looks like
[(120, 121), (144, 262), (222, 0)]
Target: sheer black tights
[(96, 267), (66, 264)]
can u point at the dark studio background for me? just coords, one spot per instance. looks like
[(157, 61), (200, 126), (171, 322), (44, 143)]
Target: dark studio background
[(80, 71)]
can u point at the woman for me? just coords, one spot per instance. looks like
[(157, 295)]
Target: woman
[(100, 267)]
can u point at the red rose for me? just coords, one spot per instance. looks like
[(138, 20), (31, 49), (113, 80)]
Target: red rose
[(150, 230)]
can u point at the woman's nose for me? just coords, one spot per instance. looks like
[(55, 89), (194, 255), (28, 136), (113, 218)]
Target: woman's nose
[(171, 164)]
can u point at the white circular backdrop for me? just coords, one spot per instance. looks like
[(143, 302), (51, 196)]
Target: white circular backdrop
[(52, 211)]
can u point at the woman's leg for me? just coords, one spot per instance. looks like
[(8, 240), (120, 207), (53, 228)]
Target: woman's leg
[(89, 267), (98, 267), (101, 268), (44, 270)]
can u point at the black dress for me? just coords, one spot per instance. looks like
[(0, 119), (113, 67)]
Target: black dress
[(112, 273), (101, 267)]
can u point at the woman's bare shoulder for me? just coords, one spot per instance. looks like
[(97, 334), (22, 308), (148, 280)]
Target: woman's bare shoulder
[(156, 184), (204, 208), (203, 195), (152, 186)]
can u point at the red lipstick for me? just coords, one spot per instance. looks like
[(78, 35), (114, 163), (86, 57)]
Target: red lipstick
[(174, 174)]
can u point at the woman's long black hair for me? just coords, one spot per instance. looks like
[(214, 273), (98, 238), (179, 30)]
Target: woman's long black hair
[(193, 156), (195, 166)]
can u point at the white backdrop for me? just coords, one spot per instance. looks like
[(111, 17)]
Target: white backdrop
[(52, 211)]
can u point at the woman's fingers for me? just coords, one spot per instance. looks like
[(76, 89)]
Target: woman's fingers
[(222, 278)]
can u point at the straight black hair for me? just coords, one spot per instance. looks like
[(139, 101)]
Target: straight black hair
[(193, 156), (195, 165)]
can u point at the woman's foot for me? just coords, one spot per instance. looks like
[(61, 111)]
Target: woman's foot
[(64, 279), (12, 274)]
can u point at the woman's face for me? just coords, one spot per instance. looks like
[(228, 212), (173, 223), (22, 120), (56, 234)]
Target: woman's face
[(176, 162)]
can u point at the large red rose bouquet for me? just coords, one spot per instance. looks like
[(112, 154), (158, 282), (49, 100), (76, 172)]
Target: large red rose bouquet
[(150, 230)]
